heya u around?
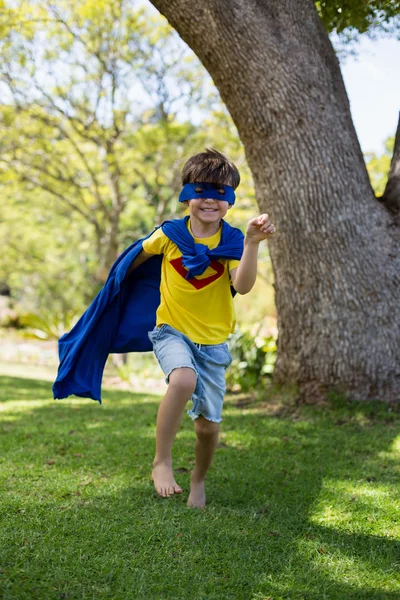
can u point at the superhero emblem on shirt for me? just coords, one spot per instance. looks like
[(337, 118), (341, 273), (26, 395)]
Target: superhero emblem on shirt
[(198, 283)]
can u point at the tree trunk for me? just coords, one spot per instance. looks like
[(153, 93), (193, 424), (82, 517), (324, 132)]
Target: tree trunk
[(107, 246), (335, 251)]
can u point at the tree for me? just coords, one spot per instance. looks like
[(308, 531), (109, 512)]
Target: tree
[(335, 255), (47, 257), (91, 146), (90, 96)]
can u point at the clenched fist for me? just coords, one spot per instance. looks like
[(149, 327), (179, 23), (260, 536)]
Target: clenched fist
[(259, 228)]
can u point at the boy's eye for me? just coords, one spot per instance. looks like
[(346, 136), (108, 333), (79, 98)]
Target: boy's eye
[(198, 190), (220, 190)]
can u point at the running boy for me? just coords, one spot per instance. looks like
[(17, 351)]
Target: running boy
[(196, 315)]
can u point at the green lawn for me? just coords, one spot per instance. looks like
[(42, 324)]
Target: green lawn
[(302, 502)]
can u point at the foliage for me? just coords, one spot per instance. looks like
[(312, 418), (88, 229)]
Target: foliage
[(51, 326), (253, 360), (259, 305), (346, 20), (91, 94), (48, 259), (378, 167), (360, 15), (101, 105)]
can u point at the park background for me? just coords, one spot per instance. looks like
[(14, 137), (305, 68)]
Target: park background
[(69, 209), (98, 115)]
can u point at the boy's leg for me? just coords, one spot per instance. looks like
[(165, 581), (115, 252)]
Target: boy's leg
[(182, 383), (206, 442)]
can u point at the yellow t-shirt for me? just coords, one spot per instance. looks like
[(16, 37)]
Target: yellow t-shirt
[(201, 308)]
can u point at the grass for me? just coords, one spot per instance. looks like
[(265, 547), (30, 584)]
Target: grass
[(303, 503)]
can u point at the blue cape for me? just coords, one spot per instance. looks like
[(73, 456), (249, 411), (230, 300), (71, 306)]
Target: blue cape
[(124, 311)]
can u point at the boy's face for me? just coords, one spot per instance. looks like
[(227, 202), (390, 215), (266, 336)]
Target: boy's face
[(208, 210)]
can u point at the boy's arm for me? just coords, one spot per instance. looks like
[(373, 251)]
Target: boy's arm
[(139, 260), (244, 276)]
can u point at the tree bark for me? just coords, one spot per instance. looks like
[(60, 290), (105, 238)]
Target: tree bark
[(335, 254), (391, 195)]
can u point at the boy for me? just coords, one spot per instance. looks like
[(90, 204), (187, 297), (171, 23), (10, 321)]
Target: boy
[(196, 313)]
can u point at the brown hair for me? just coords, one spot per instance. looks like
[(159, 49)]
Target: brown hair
[(210, 166)]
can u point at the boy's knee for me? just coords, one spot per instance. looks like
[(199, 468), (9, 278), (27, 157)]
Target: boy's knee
[(205, 429), (183, 380)]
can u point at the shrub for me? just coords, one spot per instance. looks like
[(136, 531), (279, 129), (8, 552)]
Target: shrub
[(48, 326), (253, 360)]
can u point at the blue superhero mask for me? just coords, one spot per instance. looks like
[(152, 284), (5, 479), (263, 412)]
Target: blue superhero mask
[(192, 191)]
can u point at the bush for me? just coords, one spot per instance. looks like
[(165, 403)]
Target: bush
[(48, 326), (253, 360)]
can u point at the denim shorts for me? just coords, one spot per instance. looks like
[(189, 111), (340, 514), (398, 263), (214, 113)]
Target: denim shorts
[(174, 350)]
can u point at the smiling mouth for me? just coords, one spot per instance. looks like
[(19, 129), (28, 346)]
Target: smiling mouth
[(209, 209)]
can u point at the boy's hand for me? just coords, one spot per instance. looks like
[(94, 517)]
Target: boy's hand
[(259, 228)]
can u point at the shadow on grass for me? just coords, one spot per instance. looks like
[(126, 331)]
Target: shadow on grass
[(19, 388), (290, 503)]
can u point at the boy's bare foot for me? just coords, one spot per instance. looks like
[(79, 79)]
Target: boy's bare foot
[(197, 496), (164, 481)]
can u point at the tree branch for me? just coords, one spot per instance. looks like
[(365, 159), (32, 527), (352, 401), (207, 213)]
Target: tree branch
[(391, 195), (37, 183), (71, 119), (47, 121)]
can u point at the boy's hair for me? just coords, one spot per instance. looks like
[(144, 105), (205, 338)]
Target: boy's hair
[(210, 167)]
